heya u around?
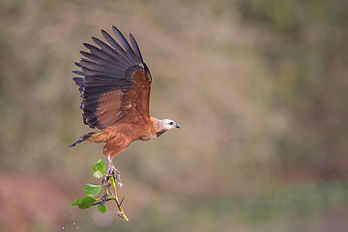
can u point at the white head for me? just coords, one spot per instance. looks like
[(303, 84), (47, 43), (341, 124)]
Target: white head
[(163, 125), (167, 124)]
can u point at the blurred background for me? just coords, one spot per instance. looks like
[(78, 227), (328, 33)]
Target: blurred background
[(259, 88)]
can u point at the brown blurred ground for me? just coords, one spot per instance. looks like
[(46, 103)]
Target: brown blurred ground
[(259, 88)]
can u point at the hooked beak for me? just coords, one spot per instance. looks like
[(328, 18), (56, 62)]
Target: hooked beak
[(177, 125)]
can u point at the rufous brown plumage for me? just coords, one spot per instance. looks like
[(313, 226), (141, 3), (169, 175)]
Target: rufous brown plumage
[(115, 86)]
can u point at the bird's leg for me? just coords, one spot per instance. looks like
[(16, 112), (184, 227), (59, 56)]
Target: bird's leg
[(112, 171)]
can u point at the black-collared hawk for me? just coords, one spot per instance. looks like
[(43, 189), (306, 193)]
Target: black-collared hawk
[(115, 86)]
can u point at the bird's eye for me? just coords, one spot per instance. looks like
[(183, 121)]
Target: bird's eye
[(171, 123)]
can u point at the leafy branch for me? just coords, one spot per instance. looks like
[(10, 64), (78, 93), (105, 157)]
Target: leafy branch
[(100, 194)]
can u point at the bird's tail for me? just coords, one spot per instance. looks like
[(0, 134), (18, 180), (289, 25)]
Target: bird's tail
[(82, 138)]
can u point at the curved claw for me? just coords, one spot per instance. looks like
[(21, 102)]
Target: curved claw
[(118, 179), (111, 170)]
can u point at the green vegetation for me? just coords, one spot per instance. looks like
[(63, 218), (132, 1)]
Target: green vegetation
[(92, 191)]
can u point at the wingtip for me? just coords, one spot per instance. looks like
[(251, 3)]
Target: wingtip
[(135, 47), (95, 39), (118, 33), (115, 28), (85, 54), (77, 64), (78, 73), (103, 32)]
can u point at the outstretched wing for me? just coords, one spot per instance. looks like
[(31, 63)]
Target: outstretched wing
[(115, 82)]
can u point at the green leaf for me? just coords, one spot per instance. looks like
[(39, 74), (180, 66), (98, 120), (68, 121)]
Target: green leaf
[(77, 202), (99, 168), (91, 189), (102, 208), (86, 202)]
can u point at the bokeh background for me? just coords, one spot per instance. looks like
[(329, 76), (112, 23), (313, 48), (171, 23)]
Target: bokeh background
[(259, 87)]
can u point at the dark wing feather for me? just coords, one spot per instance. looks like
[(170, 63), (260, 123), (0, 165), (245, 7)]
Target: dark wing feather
[(135, 46), (115, 83), (124, 42)]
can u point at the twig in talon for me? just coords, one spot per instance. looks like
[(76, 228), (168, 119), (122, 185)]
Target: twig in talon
[(103, 201), (121, 213), (122, 200), (119, 203), (116, 199)]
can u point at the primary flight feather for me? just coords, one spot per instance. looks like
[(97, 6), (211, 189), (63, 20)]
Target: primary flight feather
[(115, 86)]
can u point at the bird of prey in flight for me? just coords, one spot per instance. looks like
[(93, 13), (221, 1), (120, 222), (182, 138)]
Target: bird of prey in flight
[(115, 86)]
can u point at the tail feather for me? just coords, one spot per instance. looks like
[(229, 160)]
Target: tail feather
[(82, 138)]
